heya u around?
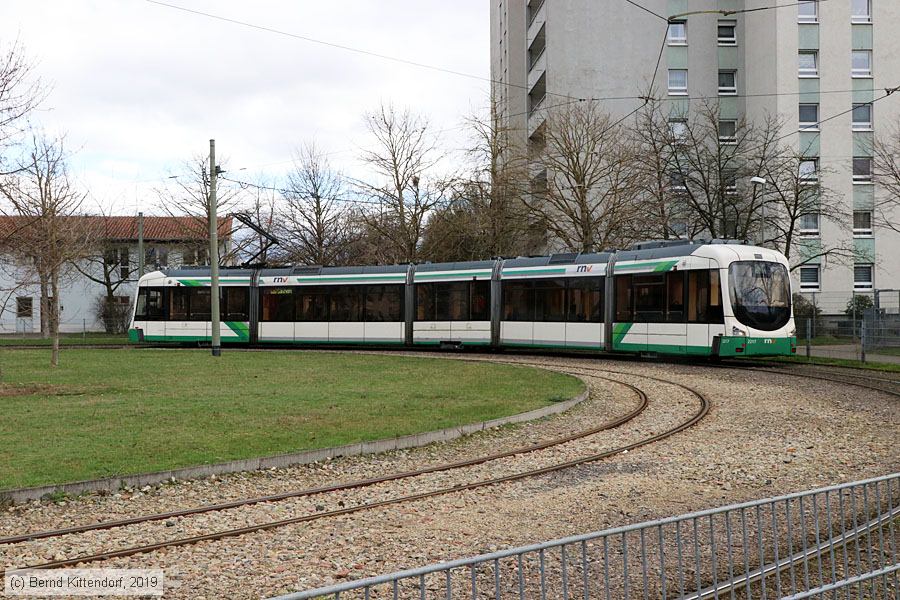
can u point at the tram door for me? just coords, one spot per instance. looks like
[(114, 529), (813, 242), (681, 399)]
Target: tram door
[(704, 309)]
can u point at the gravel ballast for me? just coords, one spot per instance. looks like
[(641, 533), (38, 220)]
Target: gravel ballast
[(765, 435)]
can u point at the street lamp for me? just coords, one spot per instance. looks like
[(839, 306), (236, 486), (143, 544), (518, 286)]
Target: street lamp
[(760, 182)]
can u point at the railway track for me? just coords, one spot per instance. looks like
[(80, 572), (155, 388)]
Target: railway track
[(886, 385), (703, 406)]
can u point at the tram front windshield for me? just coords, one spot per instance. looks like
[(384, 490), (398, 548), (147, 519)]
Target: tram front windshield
[(760, 294)]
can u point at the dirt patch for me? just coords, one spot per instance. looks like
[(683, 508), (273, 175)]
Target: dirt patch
[(8, 390)]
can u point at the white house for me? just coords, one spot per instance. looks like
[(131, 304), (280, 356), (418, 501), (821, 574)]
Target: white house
[(110, 272)]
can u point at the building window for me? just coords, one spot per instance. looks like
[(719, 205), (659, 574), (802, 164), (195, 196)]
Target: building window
[(809, 170), (124, 267), (809, 225), (862, 223), (861, 11), (862, 169), (727, 33), (156, 257), (807, 11), (677, 181), (677, 33), (678, 82), (678, 130), (729, 181), (727, 83), (862, 116), (809, 116), (809, 279), (862, 277), (24, 307), (728, 131), (809, 63), (862, 63)]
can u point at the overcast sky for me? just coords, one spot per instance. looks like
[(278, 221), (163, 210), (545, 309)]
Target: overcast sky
[(138, 88)]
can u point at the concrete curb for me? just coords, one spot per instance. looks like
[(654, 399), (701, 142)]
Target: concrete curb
[(284, 460)]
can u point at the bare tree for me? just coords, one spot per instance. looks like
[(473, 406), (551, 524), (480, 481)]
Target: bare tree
[(187, 195), (587, 187), (486, 214), (404, 160), (711, 172), (42, 196), (886, 165), (794, 193), (314, 221), (657, 139), (20, 93)]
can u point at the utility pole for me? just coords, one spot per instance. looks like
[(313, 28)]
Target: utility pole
[(214, 252), (140, 225)]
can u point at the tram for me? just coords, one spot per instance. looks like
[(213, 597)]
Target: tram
[(715, 298)]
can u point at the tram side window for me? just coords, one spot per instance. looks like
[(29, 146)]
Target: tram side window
[(518, 301), (384, 303), (716, 314), (235, 303), (150, 305), (311, 303), (550, 300), (704, 297), (178, 304), (199, 303), (346, 303), (424, 302), (481, 300), (451, 301), (276, 304), (649, 298), (585, 300), (675, 297), (624, 307)]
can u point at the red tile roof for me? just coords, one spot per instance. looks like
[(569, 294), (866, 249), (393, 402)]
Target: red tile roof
[(159, 229)]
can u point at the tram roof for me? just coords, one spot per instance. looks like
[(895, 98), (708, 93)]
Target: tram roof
[(638, 251)]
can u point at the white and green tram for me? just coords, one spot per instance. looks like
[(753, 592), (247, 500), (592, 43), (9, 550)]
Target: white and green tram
[(713, 298)]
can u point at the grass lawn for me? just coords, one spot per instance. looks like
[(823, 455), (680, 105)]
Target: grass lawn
[(65, 339), (121, 411)]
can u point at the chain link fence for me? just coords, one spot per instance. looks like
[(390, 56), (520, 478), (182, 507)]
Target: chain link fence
[(862, 326)]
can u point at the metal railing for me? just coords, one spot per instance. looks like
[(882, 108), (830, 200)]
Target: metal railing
[(827, 543)]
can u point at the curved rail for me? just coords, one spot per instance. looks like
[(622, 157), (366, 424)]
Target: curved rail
[(792, 373), (703, 409)]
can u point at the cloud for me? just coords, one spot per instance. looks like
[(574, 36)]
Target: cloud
[(140, 87)]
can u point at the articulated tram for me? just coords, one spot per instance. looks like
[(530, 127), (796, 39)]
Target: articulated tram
[(715, 298)]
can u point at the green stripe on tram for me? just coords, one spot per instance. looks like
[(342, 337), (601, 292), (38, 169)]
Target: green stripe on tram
[(326, 278), (658, 266), (205, 281), (453, 274), (241, 329), (534, 271), (620, 330)]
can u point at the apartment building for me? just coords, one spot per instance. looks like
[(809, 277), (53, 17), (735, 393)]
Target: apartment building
[(815, 64)]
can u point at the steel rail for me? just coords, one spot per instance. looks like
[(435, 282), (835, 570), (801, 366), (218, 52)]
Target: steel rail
[(362, 483), (894, 393), (703, 410)]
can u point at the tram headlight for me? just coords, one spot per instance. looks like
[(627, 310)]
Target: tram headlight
[(738, 331), (792, 332)]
